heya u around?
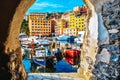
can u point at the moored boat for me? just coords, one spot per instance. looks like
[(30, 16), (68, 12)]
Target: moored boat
[(44, 42), (71, 39), (72, 56), (63, 38)]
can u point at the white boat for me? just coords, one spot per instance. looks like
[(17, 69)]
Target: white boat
[(79, 39), (40, 52), (44, 42), (23, 37), (26, 40), (34, 38), (63, 38)]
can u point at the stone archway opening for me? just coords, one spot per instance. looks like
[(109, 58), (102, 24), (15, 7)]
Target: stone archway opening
[(10, 52), (36, 30)]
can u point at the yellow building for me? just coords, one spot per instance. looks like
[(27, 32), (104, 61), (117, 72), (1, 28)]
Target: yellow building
[(78, 20), (39, 25), (60, 24)]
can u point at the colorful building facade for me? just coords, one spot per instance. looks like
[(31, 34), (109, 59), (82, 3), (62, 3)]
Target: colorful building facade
[(39, 25), (60, 24), (70, 31), (78, 20)]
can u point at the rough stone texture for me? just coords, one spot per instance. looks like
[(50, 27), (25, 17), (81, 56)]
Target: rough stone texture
[(11, 15), (103, 35), (104, 56), (89, 48), (103, 19), (111, 17)]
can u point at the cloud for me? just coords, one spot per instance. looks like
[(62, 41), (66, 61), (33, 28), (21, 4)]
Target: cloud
[(46, 4), (54, 5)]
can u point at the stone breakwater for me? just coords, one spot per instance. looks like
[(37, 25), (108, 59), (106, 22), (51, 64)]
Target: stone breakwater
[(107, 66)]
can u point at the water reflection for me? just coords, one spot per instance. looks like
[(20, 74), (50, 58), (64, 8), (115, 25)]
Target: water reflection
[(50, 60)]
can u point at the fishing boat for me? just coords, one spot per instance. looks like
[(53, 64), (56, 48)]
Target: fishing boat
[(43, 42), (40, 62), (42, 57), (23, 37), (72, 56), (40, 52)]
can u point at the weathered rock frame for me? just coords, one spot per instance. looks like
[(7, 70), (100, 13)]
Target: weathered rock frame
[(11, 16), (98, 37)]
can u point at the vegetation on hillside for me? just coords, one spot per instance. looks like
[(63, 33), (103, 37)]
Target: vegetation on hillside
[(24, 27)]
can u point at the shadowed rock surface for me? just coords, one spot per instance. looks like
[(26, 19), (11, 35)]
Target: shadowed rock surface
[(11, 16)]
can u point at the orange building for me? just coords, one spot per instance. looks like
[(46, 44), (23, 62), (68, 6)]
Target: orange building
[(39, 25)]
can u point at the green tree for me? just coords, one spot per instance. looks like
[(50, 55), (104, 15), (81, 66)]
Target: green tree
[(24, 27)]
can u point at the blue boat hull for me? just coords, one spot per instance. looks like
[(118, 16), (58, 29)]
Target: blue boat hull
[(71, 39)]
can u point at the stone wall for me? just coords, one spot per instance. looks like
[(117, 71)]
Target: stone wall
[(101, 51), (108, 65)]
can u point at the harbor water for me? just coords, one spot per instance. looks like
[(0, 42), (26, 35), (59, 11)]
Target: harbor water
[(69, 68)]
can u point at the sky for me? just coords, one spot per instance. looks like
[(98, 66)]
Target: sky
[(54, 5)]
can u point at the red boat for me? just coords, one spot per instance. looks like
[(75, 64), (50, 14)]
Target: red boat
[(72, 56)]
